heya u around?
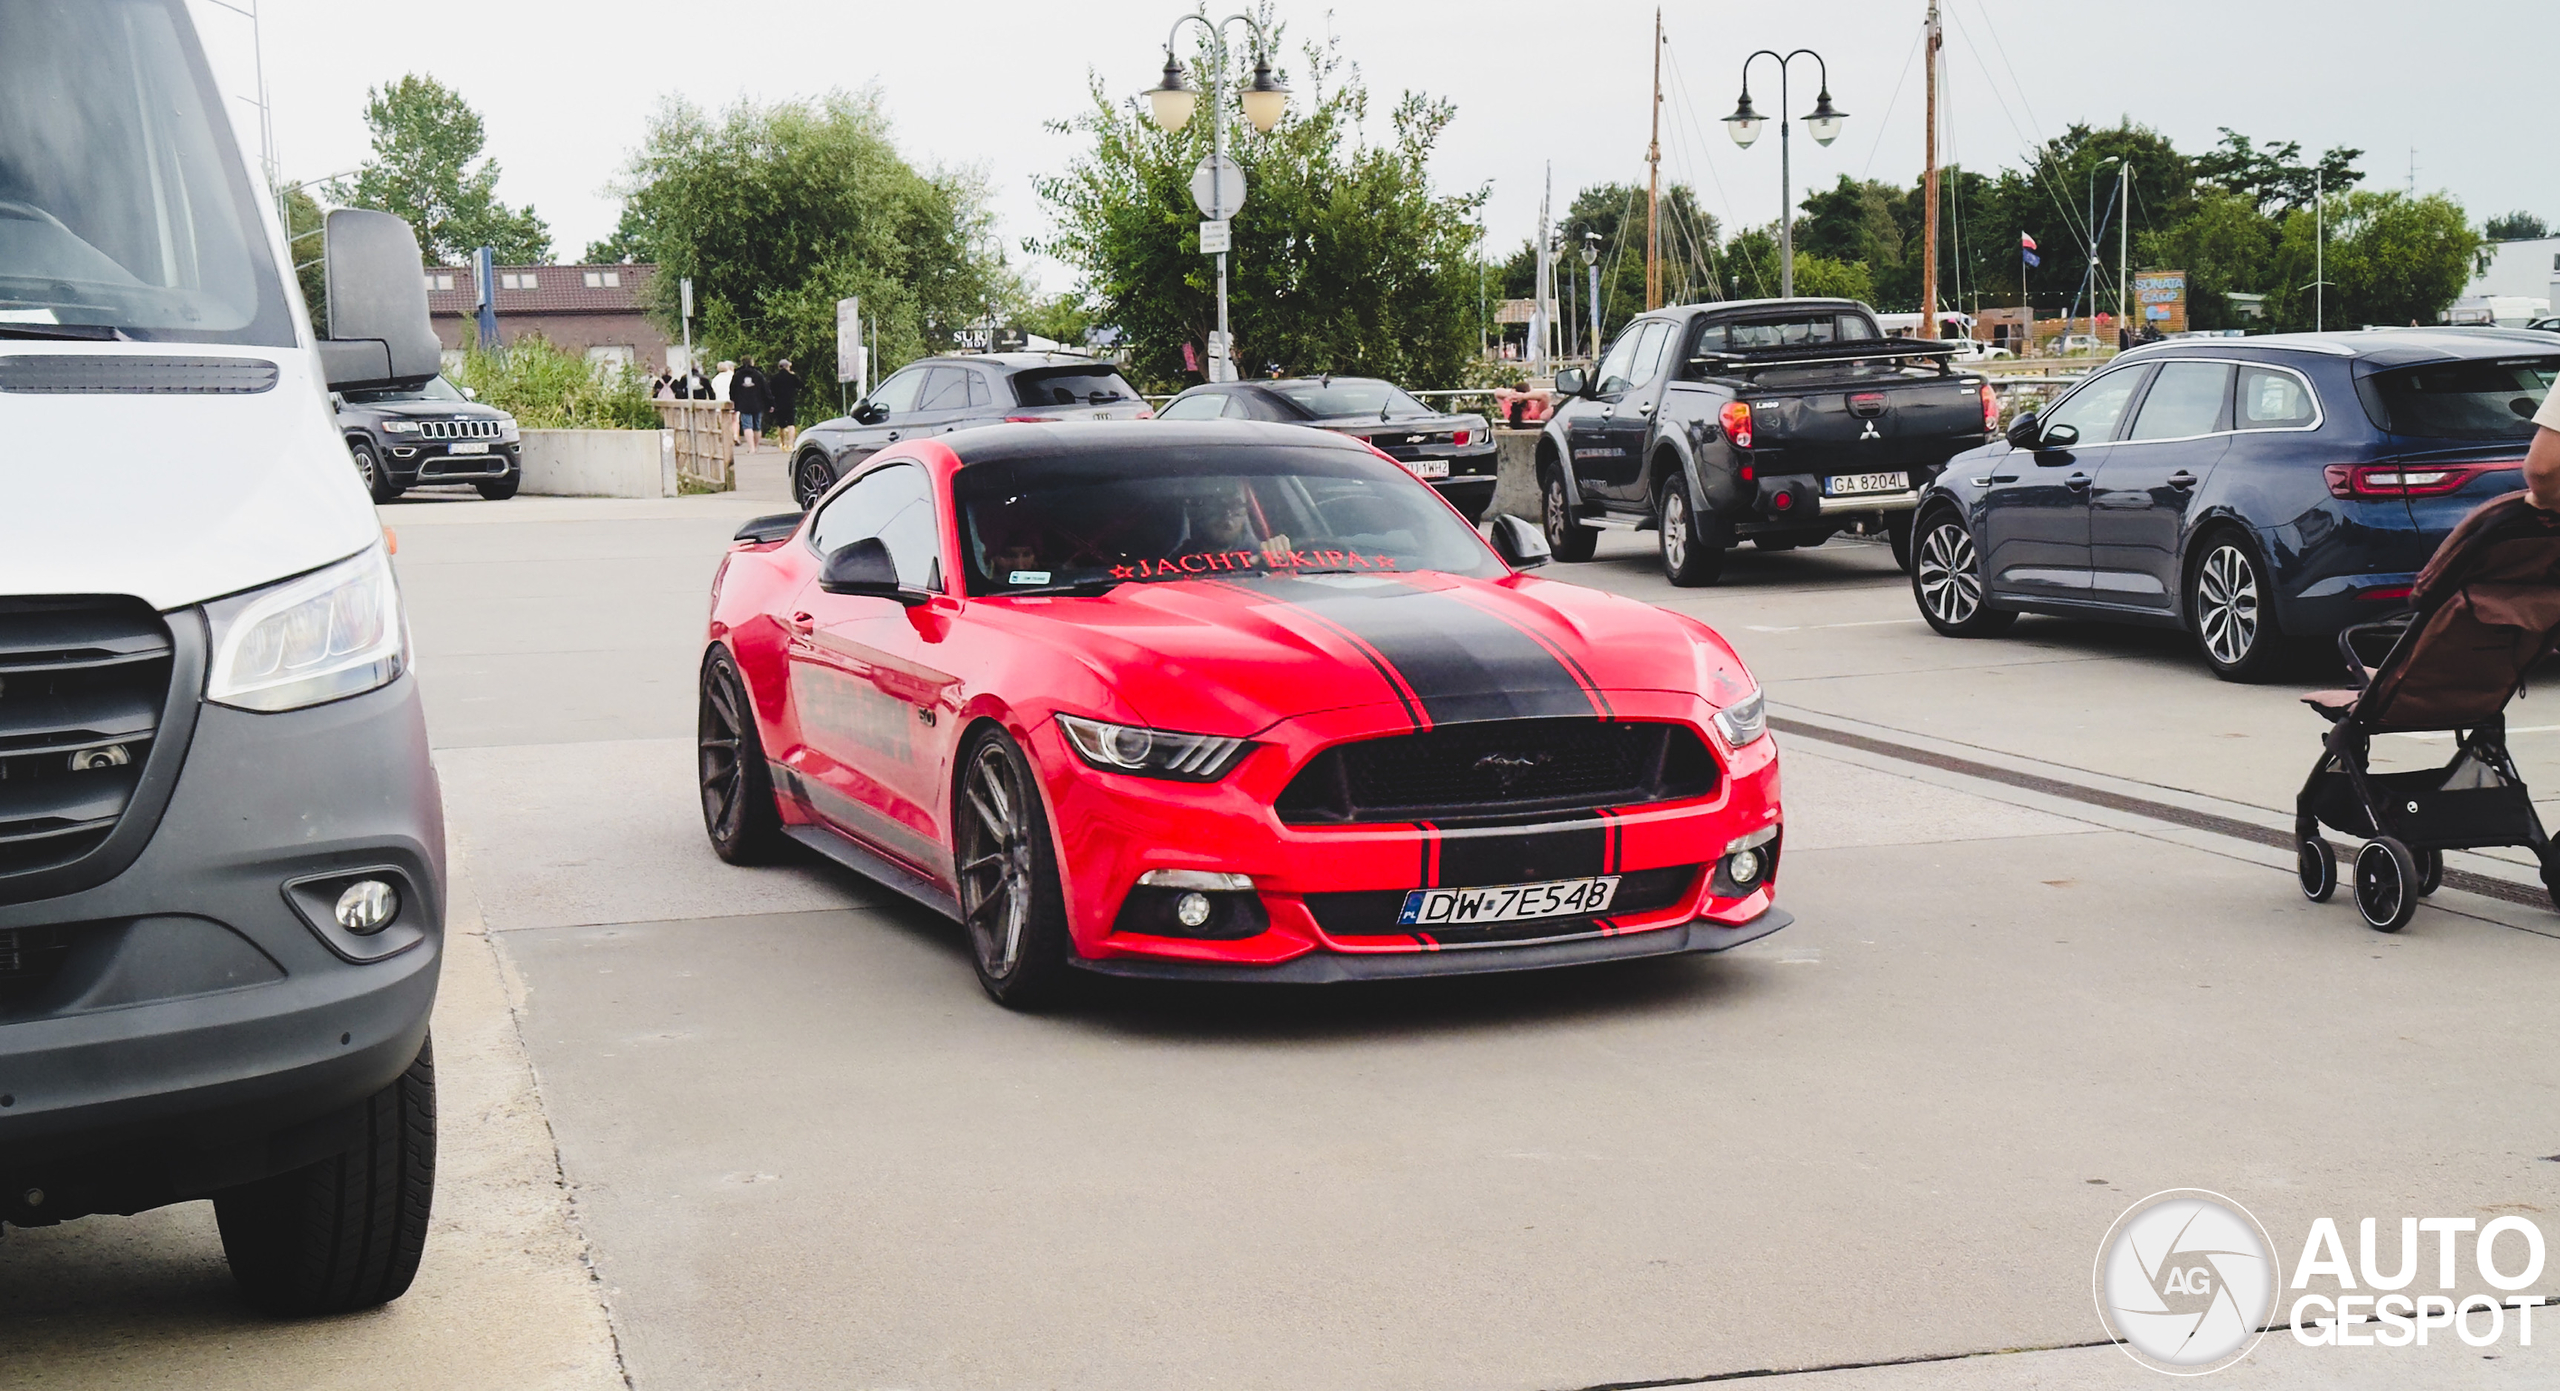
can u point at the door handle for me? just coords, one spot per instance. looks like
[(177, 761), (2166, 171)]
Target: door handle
[(1607, 411), (1645, 409), (2078, 482), (2182, 479), (2004, 478)]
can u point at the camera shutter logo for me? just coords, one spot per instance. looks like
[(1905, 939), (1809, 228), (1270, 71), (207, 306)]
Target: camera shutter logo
[(2186, 1281)]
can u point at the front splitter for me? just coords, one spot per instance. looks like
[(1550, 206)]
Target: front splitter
[(1334, 968)]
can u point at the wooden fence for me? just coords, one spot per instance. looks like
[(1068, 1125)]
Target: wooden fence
[(706, 439)]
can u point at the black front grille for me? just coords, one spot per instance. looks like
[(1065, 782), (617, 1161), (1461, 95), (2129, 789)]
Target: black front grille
[(1372, 912), (459, 429), (83, 683), (1500, 768)]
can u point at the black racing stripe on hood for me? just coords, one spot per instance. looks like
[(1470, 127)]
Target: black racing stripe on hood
[(1462, 662)]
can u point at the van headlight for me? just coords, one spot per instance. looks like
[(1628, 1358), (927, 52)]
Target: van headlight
[(1745, 720), (327, 635)]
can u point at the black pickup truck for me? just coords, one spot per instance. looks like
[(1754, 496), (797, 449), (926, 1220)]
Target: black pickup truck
[(1780, 422)]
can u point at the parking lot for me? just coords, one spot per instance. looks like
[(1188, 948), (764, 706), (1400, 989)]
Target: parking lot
[(710, 1127)]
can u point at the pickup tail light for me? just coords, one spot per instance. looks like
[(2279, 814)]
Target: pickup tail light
[(2405, 480), (1736, 420), (1990, 410)]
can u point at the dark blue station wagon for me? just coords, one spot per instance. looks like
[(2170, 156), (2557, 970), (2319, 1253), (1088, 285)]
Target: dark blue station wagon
[(2245, 490)]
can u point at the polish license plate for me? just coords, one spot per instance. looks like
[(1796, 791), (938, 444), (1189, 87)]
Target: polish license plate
[(1849, 484), (1431, 468), (1508, 903), (470, 447)]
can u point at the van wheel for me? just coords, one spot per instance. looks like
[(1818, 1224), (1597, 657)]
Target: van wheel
[(376, 479), (1567, 538), (2230, 610), (344, 1233), (1946, 579), (1692, 544)]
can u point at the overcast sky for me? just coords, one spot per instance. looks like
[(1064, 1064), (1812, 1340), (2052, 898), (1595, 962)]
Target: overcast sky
[(566, 86)]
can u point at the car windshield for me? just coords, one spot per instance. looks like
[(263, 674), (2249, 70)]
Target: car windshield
[(124, 207), (2485, 400), (1072, 386), (1349, 396), (436, 389), (1228, 514)]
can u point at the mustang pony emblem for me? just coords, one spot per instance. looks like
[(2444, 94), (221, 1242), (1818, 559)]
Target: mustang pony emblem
[(1509, 768)]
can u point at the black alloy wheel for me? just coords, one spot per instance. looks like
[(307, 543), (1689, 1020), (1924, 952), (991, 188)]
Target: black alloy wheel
[(2317, 867), (738, 808), (810, 479), (1946, 579), (1009, 895), (369, 470), (1567, 538), (2386, 884), (2229, 613), (1692, 546)]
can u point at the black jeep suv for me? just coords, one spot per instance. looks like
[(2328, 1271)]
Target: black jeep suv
[(436, 433)]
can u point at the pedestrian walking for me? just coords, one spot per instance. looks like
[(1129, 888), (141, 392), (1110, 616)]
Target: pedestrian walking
[(662, 387), (747, 393), (782, 392), (697, 387)]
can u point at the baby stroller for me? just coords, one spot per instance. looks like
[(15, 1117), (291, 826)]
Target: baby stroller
[(2483, 612)]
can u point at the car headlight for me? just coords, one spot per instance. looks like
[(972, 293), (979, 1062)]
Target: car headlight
[(399, 427), (1745, 720), (1153, 753), (507, 430), (333, 633)]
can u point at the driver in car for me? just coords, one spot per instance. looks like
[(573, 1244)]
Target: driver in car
[(1222, 519)]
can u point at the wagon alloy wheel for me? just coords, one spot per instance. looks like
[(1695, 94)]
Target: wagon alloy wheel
[(1946, 577), (2386, 884), (737, 788), (2227, 609), (1009, 897)]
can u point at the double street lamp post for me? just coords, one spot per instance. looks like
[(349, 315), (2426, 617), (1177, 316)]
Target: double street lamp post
[(1822, 123), (1265, 101), (1591, 263)]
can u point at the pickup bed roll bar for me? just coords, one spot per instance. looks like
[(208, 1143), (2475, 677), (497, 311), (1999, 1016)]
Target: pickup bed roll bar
[(1732, 361)]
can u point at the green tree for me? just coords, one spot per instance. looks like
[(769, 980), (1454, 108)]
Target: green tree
[(2389, 259), (303, 222), (776, 212), (427, 167), (633, 241), (2516, 226), (1345, 260), (1754, 256), (2225, 245), (2273, 176)]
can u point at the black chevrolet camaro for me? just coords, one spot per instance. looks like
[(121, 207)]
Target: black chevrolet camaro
[(1453, 453)]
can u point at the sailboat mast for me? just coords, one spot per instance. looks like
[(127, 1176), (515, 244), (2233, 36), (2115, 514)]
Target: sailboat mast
[(1653, 183), (1929, 198)]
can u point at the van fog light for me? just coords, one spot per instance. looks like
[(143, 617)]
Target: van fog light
[(91, 760), (367, 907), (1191, 909)]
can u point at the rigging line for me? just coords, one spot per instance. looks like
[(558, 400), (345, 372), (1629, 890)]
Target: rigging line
[(1684, 107), (1701, 246), (1891, 104), (1680, 88), (2038, 159), (1949, 170)]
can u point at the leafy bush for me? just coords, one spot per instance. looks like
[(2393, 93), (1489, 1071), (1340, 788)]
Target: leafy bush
[(547, 388)]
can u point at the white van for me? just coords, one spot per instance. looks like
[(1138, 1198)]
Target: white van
[(222, 863)]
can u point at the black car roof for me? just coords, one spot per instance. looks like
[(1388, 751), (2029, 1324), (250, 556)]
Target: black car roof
[(1170, 442), (2375, 350)]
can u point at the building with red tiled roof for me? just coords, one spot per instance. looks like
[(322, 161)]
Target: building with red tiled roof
[(596, 311)]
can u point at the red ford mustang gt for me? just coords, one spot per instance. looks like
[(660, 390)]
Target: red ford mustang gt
[(1224, 701)]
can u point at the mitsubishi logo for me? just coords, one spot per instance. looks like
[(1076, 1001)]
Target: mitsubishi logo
[(1870, 432), (1509, 768)]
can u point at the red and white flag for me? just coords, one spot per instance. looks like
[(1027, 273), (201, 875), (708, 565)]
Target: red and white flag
[(2026, 241)]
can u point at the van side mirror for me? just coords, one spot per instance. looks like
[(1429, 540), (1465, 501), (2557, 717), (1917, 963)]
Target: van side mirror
[(864, 568), (1520, 545), (2025, 430), (1572, 382), (379, 334), (870, 413)]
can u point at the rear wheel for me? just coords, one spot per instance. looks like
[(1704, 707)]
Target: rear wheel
[(2227, 610), (1946, 579), (1009, 896), (810, 479), (377, 480), (2430, 872), (345, 1233), (737, 787), (1692, 546), (1567, 538), (2386, 884), (2317, 865)]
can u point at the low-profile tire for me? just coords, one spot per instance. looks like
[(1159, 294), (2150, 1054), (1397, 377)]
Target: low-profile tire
[(1567, 538), (1010, 902), (2227, 610), (345, 1233), (1897, 534), (811, 477), (1692, 543), (1946, 580), (377, 480), (738, 809), (2430, 872), (2386, 884), (501, 488), (2316, 865)]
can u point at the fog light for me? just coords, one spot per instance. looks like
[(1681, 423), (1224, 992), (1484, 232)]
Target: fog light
[(367, 907), (1191, 910), (1743, 867)]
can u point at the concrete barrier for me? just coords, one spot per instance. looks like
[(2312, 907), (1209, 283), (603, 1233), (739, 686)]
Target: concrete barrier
[(1515, 489), (599, 463)]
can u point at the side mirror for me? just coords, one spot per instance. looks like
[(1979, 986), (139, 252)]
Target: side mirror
[(2025, 430), (864, 568), (1571, 382), (2059, 437), (870, 413), (1520, 545), (379, 332), (471, 393)]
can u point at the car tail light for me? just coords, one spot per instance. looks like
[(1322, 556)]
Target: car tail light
[(1460, 437), (2382, 592), (1029, 419), (1736, 419), (1990, 410), (2404, 480)]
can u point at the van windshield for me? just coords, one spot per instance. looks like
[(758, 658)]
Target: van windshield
[(124, 208)]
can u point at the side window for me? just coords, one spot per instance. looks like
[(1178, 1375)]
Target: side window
[(1617, 370), (1240, 407), (1654, 352), (898, 394), (895, 505), (945, 389), (2185, 399), (1208, 405), (978, 393), (2095, 409), (2271, 400)]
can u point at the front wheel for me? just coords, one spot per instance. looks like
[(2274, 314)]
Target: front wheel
[(500, 489), (344, 1233), (1567, 538), (810, 480), (1692, 545), (1946, 579), (2386, 884), (369, 471), (737, 786), (2227, 611), (1009, 896)]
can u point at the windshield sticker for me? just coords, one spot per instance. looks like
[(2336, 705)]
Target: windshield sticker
[(1027, 577), (1212, 562)]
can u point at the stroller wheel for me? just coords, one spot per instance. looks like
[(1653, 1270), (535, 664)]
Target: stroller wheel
[(2317, 865), (2386, 884), (2551, 872), (2430, 871)]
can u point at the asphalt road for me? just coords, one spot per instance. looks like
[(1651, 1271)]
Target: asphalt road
[(800, 1149)]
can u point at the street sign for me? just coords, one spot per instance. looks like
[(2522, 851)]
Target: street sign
[(1217, 185), (848, 340), (1213, 237), (684, 288)]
